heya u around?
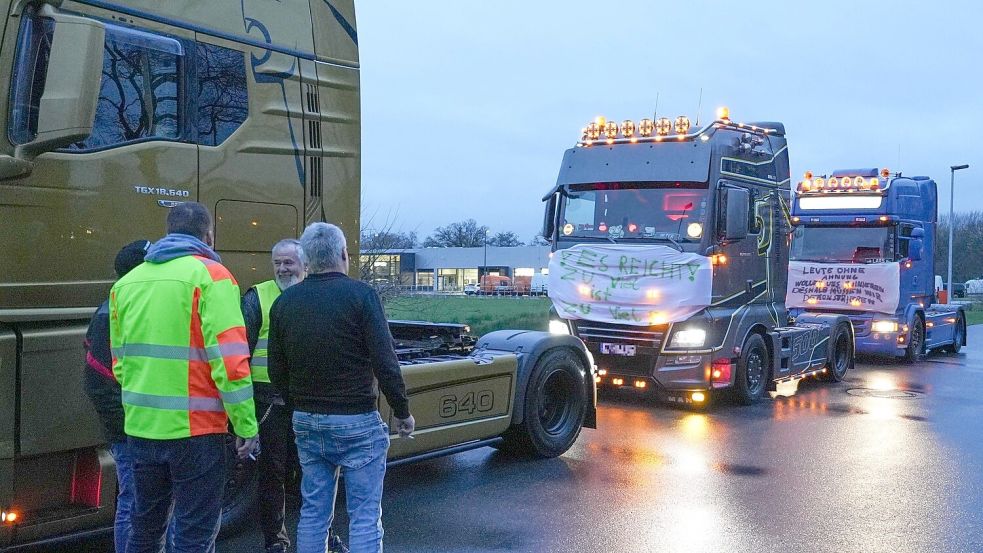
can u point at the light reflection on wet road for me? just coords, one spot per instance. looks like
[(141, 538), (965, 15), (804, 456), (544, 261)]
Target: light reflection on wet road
[(889, 460)]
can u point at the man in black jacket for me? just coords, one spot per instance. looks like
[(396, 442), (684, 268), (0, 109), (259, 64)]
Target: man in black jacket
[(104, 391), (328, 339)]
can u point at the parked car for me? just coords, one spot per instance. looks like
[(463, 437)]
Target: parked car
[(470, 289), (959, 289)]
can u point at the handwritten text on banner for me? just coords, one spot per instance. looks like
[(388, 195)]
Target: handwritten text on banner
[(625, 284), (852, 286)]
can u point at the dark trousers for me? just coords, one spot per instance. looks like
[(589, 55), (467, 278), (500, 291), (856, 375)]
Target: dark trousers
[(190, 472), (277, 457)]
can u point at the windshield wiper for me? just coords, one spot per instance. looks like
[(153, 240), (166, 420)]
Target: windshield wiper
[(671, 237)]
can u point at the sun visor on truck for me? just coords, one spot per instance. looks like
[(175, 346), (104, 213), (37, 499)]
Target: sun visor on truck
[(666, 161)]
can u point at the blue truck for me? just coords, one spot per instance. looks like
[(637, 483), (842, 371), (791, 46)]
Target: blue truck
[(670, 252), (863, 246)]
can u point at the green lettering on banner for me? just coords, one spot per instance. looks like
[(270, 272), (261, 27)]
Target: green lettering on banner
[(602, 264), (693, 267), (621, 314)]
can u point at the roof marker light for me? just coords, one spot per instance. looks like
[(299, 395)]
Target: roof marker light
[(682, 124), (663, 126), (593, 131), (628, 128), (723, 113), (885, 172)]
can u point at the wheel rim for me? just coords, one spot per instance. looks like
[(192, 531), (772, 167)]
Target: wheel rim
[(958, 340), (555, 407), (755, 371), (842, 355)]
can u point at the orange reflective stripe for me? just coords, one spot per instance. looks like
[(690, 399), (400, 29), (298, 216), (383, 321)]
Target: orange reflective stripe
[(235, 352), (216, 270), (200, 383)]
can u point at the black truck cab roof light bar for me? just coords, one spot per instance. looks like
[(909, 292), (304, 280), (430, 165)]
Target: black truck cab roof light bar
[(647, 130)]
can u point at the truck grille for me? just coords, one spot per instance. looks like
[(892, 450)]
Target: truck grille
[(641, 336)]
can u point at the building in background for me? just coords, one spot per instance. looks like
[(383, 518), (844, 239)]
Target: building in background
[(449, 270)]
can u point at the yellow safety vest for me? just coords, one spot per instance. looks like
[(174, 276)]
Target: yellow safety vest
[(267, 292)]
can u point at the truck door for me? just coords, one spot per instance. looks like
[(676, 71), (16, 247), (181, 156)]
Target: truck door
[(252, 151), (743, 266), (81, 203)]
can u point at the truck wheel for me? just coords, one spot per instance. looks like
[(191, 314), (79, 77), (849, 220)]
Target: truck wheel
[(959, 334), (241, 489), (916, 341), (554, 407), (841, 355), (752, 370)]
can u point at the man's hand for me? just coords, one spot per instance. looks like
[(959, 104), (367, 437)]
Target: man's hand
[(405, 427), (245, 446)]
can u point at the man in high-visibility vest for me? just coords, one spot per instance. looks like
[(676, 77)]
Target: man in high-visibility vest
[(181, 357), (275, 427)]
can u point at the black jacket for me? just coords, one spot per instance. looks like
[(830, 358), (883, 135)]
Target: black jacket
[(328, 338), (99, 381)]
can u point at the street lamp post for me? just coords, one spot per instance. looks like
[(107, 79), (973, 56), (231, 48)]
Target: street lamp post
[(952, 193), (484, 267)]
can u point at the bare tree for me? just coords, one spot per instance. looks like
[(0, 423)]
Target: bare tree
[(463, 234), (505, 239), (379, 248), (968, 243)]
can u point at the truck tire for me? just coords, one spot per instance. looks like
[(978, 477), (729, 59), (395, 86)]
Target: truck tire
[(916, 341), (841, 354), (752, 371), (554, 407), (959, 334), (241, 489)]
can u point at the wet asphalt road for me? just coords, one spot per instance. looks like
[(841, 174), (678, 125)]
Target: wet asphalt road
[(889, 460)]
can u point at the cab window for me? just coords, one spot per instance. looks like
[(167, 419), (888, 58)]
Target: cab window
[(140, 94), (220, 91)]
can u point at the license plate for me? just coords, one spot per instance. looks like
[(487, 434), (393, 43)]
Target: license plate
[(618, 349)]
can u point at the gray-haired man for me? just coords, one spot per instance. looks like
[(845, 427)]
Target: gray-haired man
[(328, 339), (275, 433)]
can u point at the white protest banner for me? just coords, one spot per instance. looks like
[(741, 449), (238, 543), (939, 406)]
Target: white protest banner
[(627, 284), (858, 287)]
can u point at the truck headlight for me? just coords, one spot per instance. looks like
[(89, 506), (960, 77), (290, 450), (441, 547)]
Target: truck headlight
[(884, 326), (688, 338), (559, 327)]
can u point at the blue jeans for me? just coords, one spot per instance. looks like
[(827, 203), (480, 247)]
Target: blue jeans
[(183, 480), (327, 445), (124, 497)]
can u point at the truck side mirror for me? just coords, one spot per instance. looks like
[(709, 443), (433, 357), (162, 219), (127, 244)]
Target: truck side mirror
[(549, 217), (915, 248), (67, 108), (736, 207), (918, 232)]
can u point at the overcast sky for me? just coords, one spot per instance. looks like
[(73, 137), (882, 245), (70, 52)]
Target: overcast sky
[(468, 106)]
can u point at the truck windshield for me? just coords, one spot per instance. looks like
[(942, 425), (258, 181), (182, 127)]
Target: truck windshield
[(843, 244), (636, 210)]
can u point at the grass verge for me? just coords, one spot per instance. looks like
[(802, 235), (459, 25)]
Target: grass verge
[(483, 314)]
